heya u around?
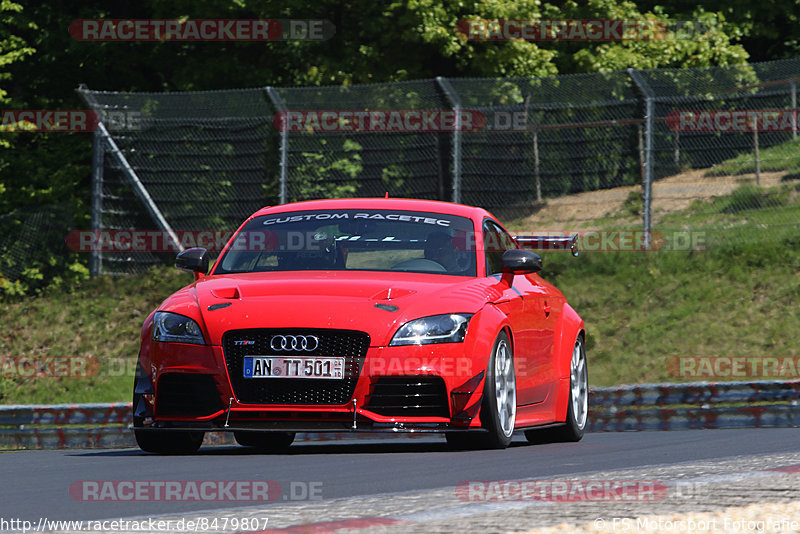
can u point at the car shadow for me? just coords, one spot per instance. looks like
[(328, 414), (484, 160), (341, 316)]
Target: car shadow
[(373, 446)]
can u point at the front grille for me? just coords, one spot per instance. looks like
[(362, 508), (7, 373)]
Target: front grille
[(189, 395), (409, 396), (350, 344)]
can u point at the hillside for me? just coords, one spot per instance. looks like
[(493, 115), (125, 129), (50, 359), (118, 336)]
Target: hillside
[(736, 298)]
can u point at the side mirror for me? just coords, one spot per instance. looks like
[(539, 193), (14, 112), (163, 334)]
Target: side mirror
[(518, 261), (193, 260)]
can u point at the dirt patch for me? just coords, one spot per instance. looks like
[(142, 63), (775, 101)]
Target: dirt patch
[(671, 194)]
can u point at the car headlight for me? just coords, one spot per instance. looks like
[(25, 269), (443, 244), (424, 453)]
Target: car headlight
[(174, 328), (448, 328)]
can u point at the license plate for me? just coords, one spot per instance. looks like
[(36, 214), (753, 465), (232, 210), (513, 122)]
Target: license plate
[(295, 367)]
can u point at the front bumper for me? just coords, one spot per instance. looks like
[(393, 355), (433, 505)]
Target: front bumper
[(193, 391)]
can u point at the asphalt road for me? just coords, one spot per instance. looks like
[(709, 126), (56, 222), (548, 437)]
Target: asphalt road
[(36, 483)]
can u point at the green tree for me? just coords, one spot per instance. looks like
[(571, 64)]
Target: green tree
[(769, 30), (13, 49)]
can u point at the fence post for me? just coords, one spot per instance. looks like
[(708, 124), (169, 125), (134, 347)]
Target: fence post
[(676, 154), (455, 104), (793, 100), (641, 151), (98, 157), (755, 152), (649, 116), (138, 186), (283, 177), (441, 162), (127, 171), (536, 176), (536, 166)]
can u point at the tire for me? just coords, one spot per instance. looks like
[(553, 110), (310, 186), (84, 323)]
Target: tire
[(577, 404), (499, 425), (165, 441), (169, 442), (264, 441), (499, 407)]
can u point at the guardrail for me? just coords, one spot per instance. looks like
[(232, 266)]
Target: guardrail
[(694, 406), (611, 409)]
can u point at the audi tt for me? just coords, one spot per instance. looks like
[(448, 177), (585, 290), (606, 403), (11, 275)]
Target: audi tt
[(363, 315)]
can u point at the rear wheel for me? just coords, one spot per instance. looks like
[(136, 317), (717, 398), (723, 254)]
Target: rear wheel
[(578, 403), (264, 441), (499, 408)]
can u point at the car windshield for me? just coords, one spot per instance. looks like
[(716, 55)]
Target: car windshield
[(362, 240)]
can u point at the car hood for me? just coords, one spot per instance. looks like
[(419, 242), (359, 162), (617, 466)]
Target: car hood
[(377, 303)]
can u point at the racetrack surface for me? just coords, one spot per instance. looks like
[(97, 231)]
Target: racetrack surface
[(37, 483)]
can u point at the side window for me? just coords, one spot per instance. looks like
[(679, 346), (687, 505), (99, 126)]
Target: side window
[(495, 242)]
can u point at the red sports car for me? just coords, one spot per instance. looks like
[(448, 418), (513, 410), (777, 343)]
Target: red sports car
[(363, 315)]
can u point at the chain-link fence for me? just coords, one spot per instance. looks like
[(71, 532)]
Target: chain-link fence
[(706, 150), (725, 151), (203, 160), (31, 239), (324, 162)]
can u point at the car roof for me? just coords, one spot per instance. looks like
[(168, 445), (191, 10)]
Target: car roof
[(403, 204)]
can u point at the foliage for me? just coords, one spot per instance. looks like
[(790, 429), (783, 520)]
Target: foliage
[(707, 41), (768, 29), (329, 173), (41, 65)]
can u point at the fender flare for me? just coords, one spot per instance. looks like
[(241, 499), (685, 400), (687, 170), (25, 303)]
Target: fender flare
[(569, 327), (492, 315), (490, 319)]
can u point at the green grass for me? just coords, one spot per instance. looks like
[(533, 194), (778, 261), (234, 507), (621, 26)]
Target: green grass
[(641, 309), (749, 214), (736, 294), (99, 319), (781, 158)]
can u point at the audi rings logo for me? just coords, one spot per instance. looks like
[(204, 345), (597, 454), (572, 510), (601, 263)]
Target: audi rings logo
[(296, 343)]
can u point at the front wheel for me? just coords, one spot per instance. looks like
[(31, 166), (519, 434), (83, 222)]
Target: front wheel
[(169, 441), (160, 441), (499, 409), (578, 403)]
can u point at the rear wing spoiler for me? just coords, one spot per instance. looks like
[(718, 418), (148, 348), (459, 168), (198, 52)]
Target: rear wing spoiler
[(548, 243)]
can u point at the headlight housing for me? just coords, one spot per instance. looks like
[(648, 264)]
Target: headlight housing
[(447, 328), (174, 328)]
